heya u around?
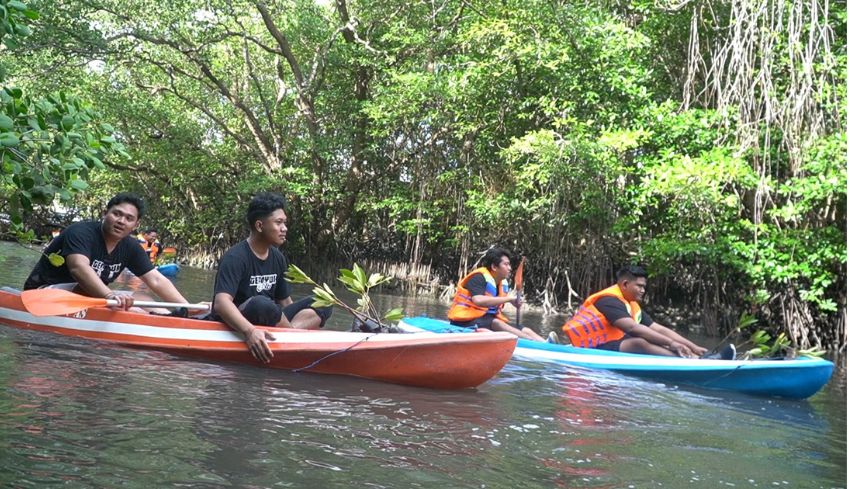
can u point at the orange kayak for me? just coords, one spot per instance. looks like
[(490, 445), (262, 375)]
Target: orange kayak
[(416, 359)]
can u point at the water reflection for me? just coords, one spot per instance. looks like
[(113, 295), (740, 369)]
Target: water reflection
[(333, 422)]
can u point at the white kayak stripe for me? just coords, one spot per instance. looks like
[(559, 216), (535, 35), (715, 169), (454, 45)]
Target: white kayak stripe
[(653, 362), (307, 337), (91, 325), (636, 362)]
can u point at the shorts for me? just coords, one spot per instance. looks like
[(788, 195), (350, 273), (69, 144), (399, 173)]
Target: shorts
[(612, 345), (263, 311), (485, 322)]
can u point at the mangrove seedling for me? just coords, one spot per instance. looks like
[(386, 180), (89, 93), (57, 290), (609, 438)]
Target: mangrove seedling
[(357, 282), (766, 347), (762, 345)]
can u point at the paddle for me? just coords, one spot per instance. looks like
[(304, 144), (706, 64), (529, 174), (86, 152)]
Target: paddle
[(518, 287), (55, 302)]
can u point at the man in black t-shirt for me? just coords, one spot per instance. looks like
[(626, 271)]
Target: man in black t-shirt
[(250, 287), (95, 253)]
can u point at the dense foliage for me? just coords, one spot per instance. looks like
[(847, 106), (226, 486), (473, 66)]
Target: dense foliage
[(581, 135), (48, 144)]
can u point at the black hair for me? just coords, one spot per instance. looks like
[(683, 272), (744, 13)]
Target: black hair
[(493, 256), (631, 272), (151, 230), (127, 198), (262, 206)]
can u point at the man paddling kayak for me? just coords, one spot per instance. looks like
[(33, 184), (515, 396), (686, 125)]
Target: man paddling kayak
[(482, 294), (96, 252), (250, 287), (612, 319), (149, 242)]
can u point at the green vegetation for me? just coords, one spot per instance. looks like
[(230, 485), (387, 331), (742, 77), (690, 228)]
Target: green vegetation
[(581, 135), (48, 145), (356, 281)]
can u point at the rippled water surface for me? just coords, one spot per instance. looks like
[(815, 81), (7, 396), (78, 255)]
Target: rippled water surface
[(78, 413)]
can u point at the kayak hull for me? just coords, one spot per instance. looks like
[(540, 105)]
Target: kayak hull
[(168, 269), (421, 360), (796, 379)]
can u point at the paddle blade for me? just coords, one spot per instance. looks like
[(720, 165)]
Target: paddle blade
[(56, 302), (518, 274)]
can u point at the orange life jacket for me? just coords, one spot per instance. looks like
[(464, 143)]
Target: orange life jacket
[(463, 309), (589, 328), (152, 249)]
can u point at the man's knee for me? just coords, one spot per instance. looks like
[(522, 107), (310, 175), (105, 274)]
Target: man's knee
[(261, 310), (635, 345), (640, 345), (301, 314), (311, 318), (498, 324)]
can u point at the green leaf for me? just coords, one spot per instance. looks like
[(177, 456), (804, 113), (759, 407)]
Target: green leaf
[(27, 236), (68, 122), (56, 259), (394, 314), (324, 296), (760, 338), (79, 184), (360, 274), (746, 320), (11, 42), (375, 279), (17, 5), (352, 281), (346, 277), (98, 164), (22, 30), (812, 352), (9, 140), (321, 303), (297, 276), (6, 123)]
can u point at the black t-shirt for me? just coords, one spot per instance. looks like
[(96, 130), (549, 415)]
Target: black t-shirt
[(242, 275), (614, 309), (477, 284), (86, 238)]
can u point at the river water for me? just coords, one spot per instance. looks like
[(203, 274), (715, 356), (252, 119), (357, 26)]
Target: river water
[(78, 413)]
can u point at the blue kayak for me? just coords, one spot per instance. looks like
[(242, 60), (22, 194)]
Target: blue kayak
[(169, 269), (797, 379)]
